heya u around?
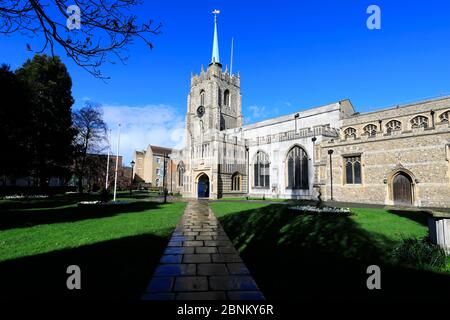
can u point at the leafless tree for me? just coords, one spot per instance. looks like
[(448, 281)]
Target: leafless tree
[(107, 28), (91, 135)]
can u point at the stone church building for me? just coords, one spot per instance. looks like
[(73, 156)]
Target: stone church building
[(394, 156)]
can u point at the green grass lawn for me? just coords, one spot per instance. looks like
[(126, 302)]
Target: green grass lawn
[(116, 247), (294, 255)]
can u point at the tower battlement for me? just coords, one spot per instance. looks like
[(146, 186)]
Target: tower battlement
[(215, 71)]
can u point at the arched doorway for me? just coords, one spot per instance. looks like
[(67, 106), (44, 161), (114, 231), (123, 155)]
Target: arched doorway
[(402, 189), (203, 186)]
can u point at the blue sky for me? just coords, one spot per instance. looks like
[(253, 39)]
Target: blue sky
[(292, 55)]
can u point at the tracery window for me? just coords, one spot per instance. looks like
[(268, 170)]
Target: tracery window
[(444, 117), (393, 125), (352, 170), (350, 133), (297, 169), (419, 122), (370, 130), (261, 168)]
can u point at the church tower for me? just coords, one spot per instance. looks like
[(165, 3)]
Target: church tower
[(213, 110), (214, 101)]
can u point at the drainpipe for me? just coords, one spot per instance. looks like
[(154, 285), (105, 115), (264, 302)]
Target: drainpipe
[(296, 117), (330, 152), (248, 169)]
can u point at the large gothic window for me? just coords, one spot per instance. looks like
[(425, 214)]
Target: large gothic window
[(297, 169), (419, 122), (261, 170), (352, 170), (181, 171), (350, 133), (202, 97), (444, 117), (393, 125), (236, 182), (226, 98), (370, 130)]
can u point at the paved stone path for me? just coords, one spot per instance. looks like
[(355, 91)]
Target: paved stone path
[(200, 263)]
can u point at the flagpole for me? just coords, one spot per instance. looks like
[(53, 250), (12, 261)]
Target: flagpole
[(117, 164), (107, 163)]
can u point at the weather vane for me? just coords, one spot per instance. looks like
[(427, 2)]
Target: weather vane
[(216, 12)]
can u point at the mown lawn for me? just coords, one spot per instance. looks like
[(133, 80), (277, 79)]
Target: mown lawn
[(298, 256), (116, 247)]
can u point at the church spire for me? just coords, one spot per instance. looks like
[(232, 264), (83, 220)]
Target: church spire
[(215, 51)]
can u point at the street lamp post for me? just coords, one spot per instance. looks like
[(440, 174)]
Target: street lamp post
[(164, 180), (132, 177), (330, 152)]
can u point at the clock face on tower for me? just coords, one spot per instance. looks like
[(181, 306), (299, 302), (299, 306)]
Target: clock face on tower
[(200, 111)]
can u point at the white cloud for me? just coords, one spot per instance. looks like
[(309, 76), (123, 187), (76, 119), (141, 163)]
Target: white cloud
[(257, 111), (160, 125)]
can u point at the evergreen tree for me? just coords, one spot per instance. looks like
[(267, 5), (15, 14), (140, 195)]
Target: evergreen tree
[(51, 117)]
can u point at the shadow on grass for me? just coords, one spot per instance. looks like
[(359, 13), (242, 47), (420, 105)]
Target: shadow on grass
[(10, 219), (115, 269), (416, 216), (298, 256)]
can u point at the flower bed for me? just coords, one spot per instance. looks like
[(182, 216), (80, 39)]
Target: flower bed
[(326, 210), (100, 203), (21, 196)]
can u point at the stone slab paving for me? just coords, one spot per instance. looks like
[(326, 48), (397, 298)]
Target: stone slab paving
[(200, 263)]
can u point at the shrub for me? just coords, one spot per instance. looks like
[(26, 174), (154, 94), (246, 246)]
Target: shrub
[(105, 195), (420, 253)]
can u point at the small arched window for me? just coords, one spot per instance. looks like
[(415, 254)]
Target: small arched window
[(350, 133), (444, 117), (181, 171), (236, 182), (370, 130), (226, 98), (202, 97), (261, 171), (419, 122), (393, 125), (297, 169)]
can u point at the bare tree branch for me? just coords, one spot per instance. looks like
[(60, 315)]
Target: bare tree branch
[(107, 28)]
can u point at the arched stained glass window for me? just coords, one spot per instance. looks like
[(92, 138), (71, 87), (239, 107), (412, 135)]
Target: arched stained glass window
[(350, 133), (393, 125), (261, 168), (297, 169), (419, 122), (370, 130), (444, 116)]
